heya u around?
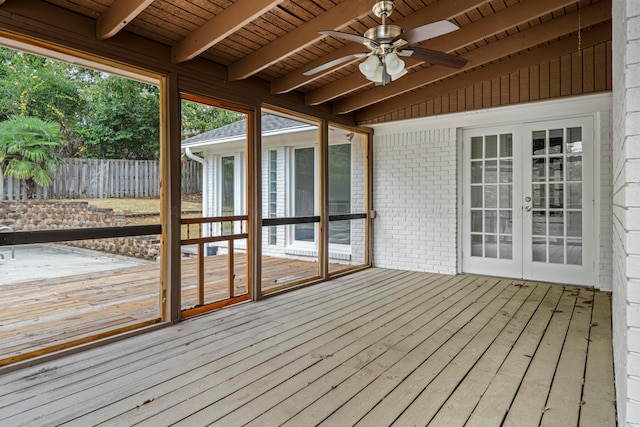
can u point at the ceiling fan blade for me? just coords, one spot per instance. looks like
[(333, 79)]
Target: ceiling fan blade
[(333, 63), (347, 36), (434, 57), (429, 31)]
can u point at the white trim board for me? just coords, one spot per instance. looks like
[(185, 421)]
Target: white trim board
[(521, 113)]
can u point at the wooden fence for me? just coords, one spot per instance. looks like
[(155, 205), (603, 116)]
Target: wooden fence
[(96, 179)]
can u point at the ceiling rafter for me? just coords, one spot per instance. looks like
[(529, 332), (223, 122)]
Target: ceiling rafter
[(442, 9), (469, 34), (335, 18), (117, 16), (591, 15), (222, 25), (555, 49)]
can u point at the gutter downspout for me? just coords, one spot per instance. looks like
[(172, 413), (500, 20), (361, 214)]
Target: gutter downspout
[(205, 171)]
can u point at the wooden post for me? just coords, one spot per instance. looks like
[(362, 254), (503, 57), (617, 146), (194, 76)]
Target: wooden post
[(323, 200), (230, 272), (254, 189), (200, 273), (170, 134)]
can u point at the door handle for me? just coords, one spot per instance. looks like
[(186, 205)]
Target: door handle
[(527, 199), (527, 208)]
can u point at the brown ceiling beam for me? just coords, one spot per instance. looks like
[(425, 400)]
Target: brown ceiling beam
[(556, 49), (222, 25), (469, 34), (542, 33), (335, 18), (117, 16), (443, 9)]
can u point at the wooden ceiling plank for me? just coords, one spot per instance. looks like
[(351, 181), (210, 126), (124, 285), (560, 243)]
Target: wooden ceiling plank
[(225, 23), (475, 32), (335, 18), (554, 50), (435, 12), (117, 16), (595, 14)]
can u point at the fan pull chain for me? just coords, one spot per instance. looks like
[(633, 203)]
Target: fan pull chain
[(579, 30)]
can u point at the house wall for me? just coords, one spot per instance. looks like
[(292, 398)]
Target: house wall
[(626, 209), (415, 198), (212, 197), (416, 183)]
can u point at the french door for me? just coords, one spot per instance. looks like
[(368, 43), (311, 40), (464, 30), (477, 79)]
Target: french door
[(528, 201)]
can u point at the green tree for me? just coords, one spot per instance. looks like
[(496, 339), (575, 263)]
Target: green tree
[(39, 87), (27, 150), (121, 121), (198, 118)]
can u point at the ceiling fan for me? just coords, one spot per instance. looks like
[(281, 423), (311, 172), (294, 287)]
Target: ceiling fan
[(388, 43)]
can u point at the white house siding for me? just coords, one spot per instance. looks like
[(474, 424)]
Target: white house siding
[(416, 175), (626, 209), (282, 209)]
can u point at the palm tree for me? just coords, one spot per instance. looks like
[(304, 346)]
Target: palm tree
[(27, 150)]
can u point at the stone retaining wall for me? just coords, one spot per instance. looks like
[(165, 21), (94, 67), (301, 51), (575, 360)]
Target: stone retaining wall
[(32, 215)]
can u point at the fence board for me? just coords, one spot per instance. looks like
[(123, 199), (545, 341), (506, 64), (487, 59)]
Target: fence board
[(104, 178)]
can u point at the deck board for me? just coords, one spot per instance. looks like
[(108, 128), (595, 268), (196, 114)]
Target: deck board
[(378, 347), (41, 314)]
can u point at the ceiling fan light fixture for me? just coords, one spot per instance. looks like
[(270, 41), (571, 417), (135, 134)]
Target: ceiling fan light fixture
[(394, 64), (378, 75), (369, 67), (396, 76)]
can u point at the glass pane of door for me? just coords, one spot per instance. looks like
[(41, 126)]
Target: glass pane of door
[(491, 190), (556, 206)]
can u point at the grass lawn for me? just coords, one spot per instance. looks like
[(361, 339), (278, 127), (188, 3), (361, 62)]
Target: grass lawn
[(150, 207), (135, 205)]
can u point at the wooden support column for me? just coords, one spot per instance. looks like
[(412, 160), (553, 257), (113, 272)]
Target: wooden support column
[(170, 198), (323, 190), (369, 206), (254, 184)]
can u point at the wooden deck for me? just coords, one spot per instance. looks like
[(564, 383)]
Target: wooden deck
[(59, 312), (375, 348)]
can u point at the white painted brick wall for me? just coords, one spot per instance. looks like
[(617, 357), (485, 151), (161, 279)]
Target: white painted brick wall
[(626, 208), (605, 253), (358, 200), (415, 199), (415, 178)]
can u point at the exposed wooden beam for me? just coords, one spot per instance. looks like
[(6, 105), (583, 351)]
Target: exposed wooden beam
[(469, 34), (117, 16), (335, 18), (226, 22), (592, 15), (556, 49), (443, 9)]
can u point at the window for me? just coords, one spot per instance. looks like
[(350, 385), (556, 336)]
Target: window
[(273, 194), (228, 185), (304, 192)]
